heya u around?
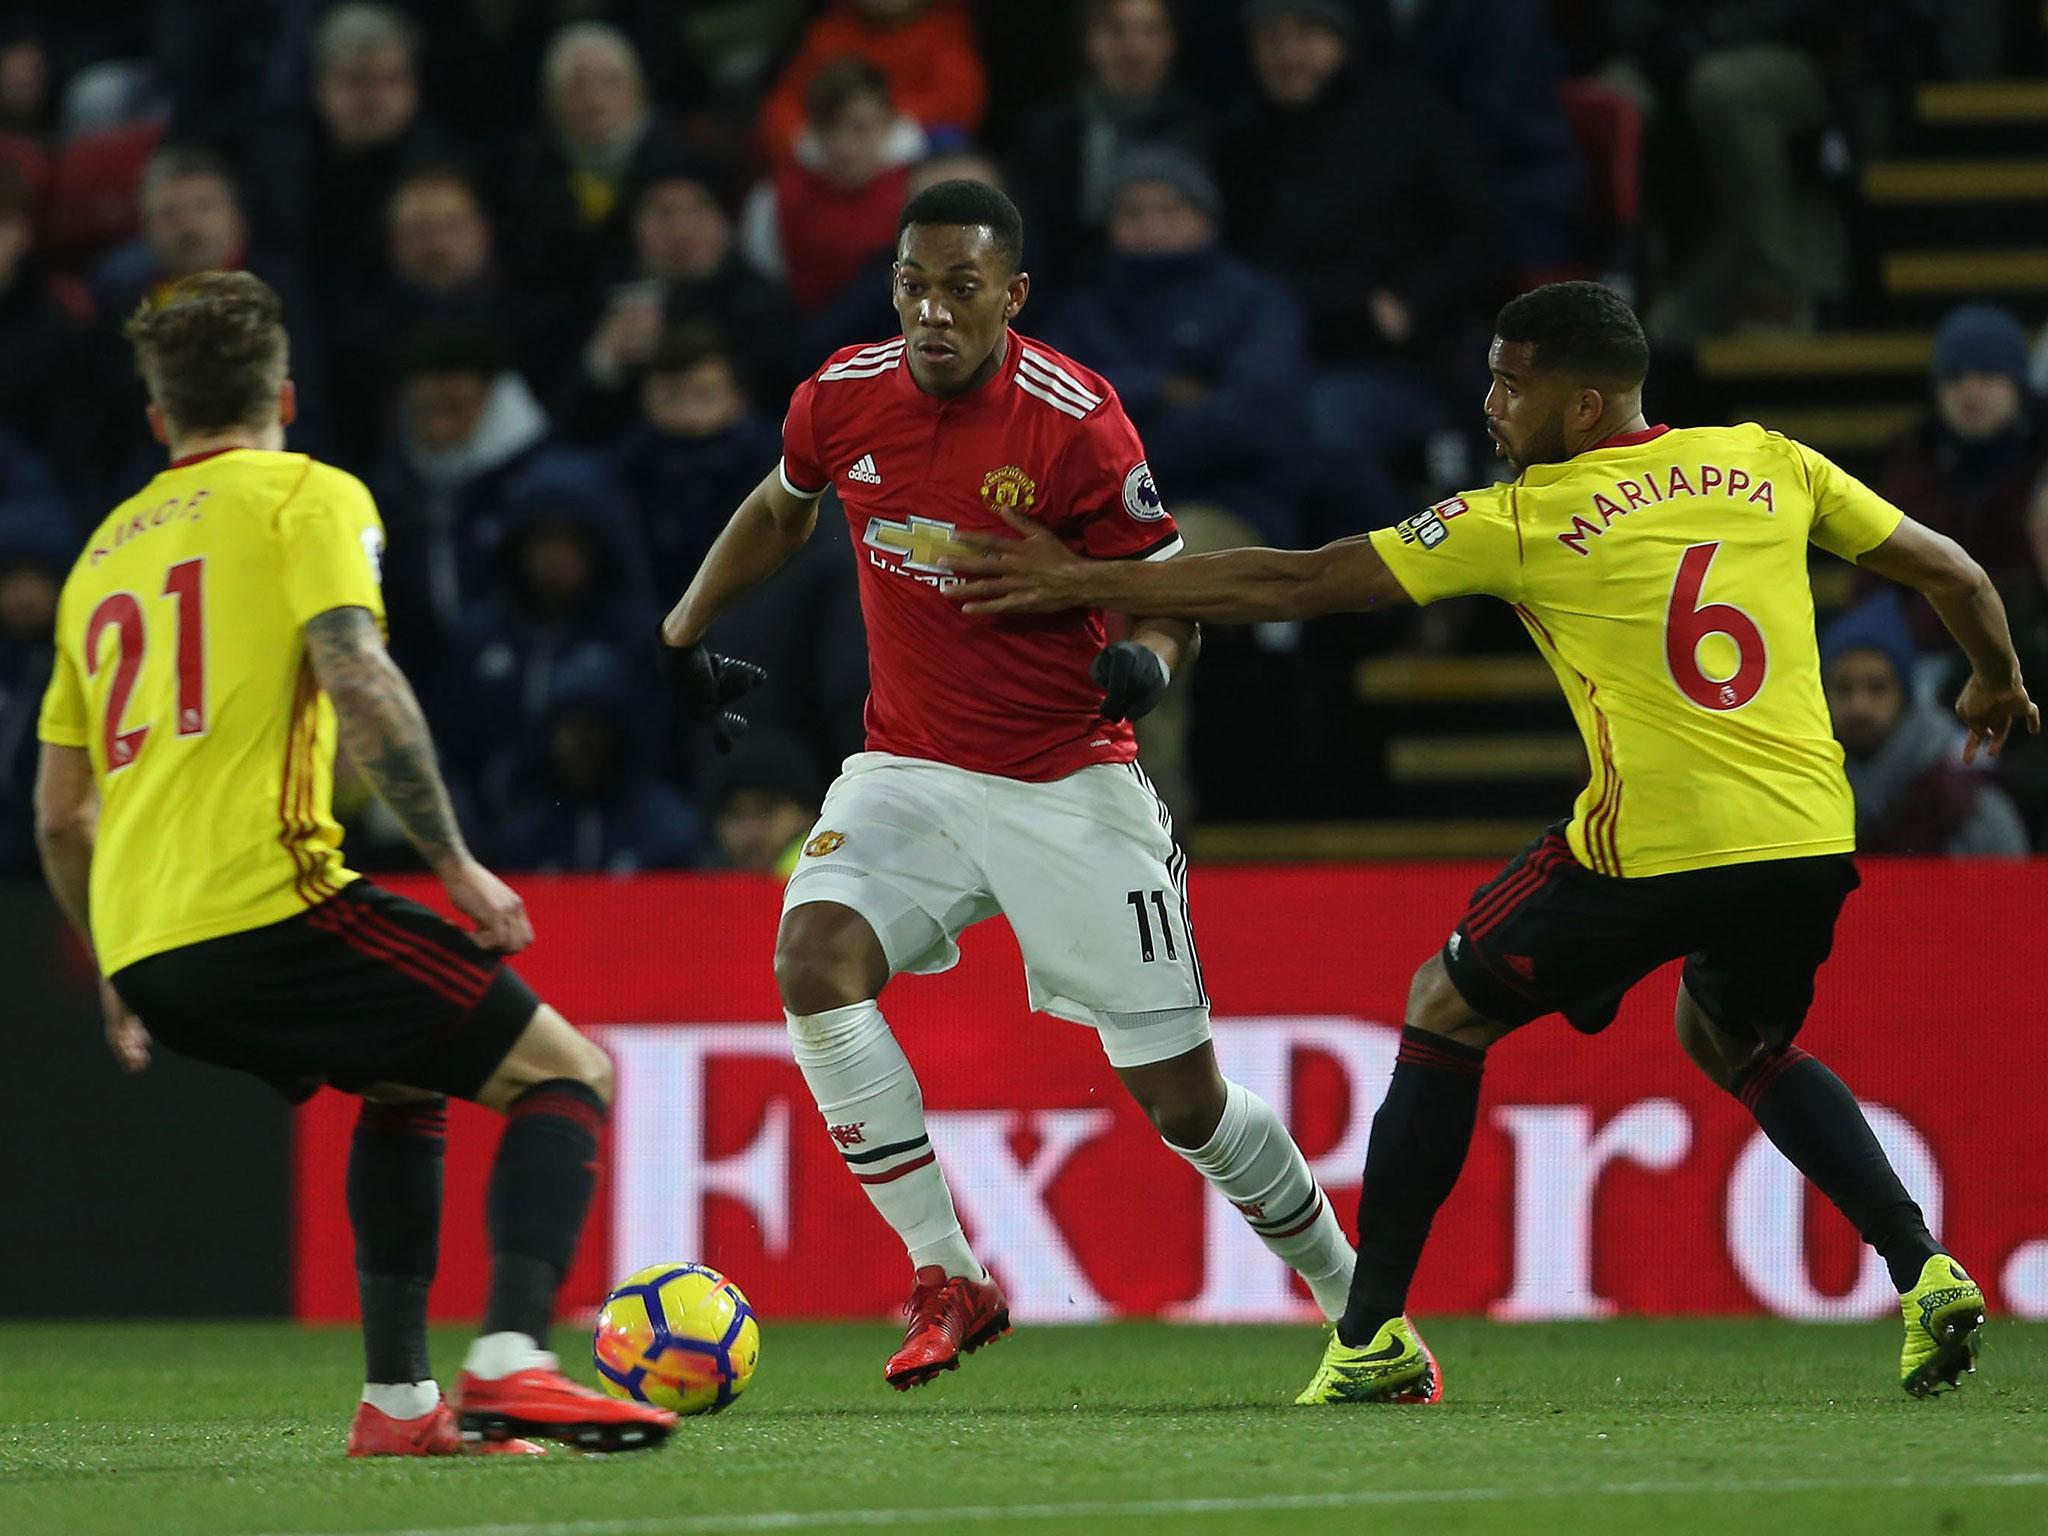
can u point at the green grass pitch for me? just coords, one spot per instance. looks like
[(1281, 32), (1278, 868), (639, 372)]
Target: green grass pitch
[(1660, 1427)]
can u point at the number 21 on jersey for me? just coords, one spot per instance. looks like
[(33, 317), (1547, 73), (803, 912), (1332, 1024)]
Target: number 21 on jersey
[(122, 612), (1688, 621)]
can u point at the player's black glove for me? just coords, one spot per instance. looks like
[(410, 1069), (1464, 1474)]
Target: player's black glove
[(1133, 680), (708, 685)]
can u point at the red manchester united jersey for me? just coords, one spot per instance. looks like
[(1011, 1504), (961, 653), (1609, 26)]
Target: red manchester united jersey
[(1043, 436)]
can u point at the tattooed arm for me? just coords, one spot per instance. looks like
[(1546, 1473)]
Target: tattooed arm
[(386, 737)]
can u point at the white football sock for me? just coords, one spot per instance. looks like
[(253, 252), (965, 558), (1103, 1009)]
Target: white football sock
[(496, 1355), (1256, 1166), (874, 1113), (402, 1399)]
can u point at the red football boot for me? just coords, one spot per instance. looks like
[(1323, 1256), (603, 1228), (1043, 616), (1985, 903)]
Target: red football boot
[(950, 1316), (543, 1403), (376, 1433)]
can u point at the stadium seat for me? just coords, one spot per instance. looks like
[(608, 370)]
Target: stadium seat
[(92, 195)]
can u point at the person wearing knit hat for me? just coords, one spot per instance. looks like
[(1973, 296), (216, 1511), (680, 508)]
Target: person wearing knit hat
[(1170, 167), (1903, 757), (1973, 467)]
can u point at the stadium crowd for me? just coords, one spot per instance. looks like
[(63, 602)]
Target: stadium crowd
[(551, 269)]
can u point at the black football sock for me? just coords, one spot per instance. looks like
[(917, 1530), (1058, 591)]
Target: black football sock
[(540, 1190), (1418, 1145), (1812, 1117), (394, 1204)]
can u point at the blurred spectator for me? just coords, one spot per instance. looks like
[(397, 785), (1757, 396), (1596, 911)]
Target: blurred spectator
[(566, 596), (192, 221), (323, 187), (472, 442), (835, 201), (1066, 151), (60, 380), (762, 800), (695, 453), (1500, 66), (576, 179), (1388, 253), (1206, 353), (37, 545), (924, 48), (687, 271), (27, 98), (1974, 468), (602, 809), (1744, 85), (1914, 793)]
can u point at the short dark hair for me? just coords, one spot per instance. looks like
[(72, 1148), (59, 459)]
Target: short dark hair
[(683, 347), (1582, 329), (838, 84), (213, 352), (970, 203), (441, 350)]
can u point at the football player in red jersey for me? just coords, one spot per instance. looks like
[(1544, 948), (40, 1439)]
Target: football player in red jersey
[(1001, 767)]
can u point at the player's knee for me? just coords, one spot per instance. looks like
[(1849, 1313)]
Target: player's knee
[(826, 957), (1723, 1057), (1436, 1006), (1184, 1098), (597, 1074)]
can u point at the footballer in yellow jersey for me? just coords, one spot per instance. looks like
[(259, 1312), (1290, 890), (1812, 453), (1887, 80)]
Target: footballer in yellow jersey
[(1663, 575), (217, 636)]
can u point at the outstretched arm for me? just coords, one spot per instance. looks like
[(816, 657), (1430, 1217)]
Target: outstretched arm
[(770, 526), (1036, 573), (386, 737), (1940, 570)]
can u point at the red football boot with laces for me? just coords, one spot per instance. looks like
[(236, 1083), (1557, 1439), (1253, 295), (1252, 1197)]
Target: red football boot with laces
[(376, 1433), (950, 1316), (543, 1403)]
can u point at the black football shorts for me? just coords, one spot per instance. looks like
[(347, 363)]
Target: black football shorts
[(364, 988), (1547, 935)]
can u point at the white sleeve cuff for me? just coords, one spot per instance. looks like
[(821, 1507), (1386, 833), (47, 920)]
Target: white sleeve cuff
[(789, 485), (1166, 551)]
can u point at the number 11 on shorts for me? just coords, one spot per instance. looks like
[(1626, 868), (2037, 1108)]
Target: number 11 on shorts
[(1137, 901)]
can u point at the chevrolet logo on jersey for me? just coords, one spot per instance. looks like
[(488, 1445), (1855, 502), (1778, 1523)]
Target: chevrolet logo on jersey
[(923, 542)]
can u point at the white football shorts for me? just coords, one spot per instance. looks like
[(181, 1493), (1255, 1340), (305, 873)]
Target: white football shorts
[(1085, 868)]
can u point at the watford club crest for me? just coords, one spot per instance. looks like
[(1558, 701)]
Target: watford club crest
[(824, 843), (1008, 489)]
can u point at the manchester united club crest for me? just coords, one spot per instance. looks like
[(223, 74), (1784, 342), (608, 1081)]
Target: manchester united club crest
[(1008, 489), (824, 843)]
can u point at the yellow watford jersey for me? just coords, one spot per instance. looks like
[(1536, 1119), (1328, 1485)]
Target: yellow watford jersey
[(182, 669), (1663, 576)]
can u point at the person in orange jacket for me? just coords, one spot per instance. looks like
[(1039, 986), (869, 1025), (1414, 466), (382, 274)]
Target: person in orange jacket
[(926, 48)]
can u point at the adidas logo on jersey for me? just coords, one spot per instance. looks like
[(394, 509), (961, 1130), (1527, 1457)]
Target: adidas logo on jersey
[(864, 471)]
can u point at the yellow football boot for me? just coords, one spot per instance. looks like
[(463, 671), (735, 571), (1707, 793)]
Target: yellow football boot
[(1394, 1366), (1944, 1315)]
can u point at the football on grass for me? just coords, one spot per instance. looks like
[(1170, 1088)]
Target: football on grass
[(678, 1336)]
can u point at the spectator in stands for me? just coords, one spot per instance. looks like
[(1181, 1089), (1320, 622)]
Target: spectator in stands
[(1500, 66), (192, 221), (27, 98), (59, 379), (1974, 468), (687, 271), (762, 800), (472, 442), (38, 542), (1914, 793), (1066, 151), (1206, 353), (866, 308), (834, 202), (577, 178), (567, 590), (695, 453), (322, 190), (601, 809), (1388, 253), (1746, 88), (440, 275), (924, 48)]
